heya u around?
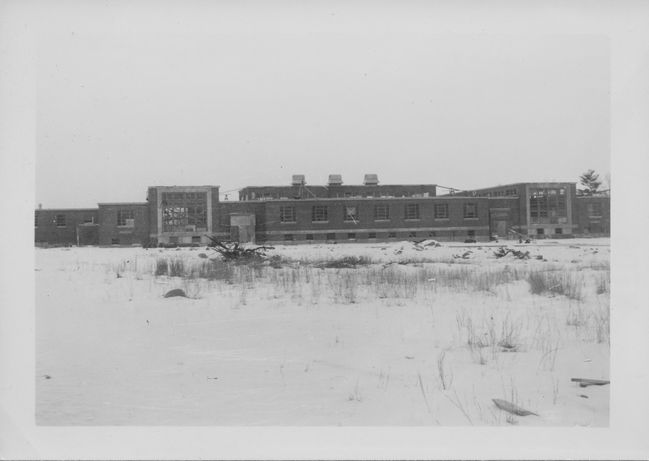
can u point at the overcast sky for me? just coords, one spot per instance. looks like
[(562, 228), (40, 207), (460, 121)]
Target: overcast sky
[(237, 94)]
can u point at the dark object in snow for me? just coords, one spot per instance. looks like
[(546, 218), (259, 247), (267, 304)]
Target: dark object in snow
[(175, 292), (583, 396), (466, 255), (233, 251), (512, 408), (470, 241), (502, 252), (47, 377), (528, 241), (202, 255), (585, 382)]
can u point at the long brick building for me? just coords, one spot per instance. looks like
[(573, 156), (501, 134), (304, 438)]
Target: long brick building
[(183, 215)]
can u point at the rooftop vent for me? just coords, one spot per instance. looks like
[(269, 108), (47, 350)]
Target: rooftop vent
[(371, 180), (298, 180), (335, 180)]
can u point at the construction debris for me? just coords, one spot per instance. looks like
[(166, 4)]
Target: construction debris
[(585, 382), (502, 252), (233, 251), (512, 408)]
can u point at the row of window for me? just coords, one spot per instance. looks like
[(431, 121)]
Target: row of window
[(320, 213), (124, 218), (369, 235)]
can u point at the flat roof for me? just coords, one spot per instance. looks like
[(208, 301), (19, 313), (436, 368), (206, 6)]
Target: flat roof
[(66, 209), (122, 203)]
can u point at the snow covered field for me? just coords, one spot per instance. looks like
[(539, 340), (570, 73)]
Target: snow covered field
[(408, 336)]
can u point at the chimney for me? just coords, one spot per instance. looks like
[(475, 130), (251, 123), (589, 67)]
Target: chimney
[(40, 206), (371, 180), (298, 180), (335, 180)]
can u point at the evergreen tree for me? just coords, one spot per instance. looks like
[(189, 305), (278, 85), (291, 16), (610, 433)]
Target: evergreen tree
[(590, 181)]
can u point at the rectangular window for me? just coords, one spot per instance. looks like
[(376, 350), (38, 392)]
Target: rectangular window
[(351, 236), (540, 231), (173, 239), (371, 235), (331, 236), (381, 213), (351, 214), (412, 234), (114, 241), (432, 234), (441, 211), (595, 209), (288, 237), (89, 220), (125, 218), (184, 211), (412, 211), (470, 233), (196, 239), (59, 219), (309, 236), (558, 230), (35, 220), (319, 213), (470, 210), (287, 214), (392, 235)]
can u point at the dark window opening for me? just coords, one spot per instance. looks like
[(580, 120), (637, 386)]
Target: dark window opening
[(441, 211), (540, 231), (351, 214), (319, 213), (125, 218), (470, 210), (392, 235), (371, 235), (412, 234), (114, 241), (381, 213), (470, 233), (287, 214), (432, 234), (351, 235), (331, 236), (309, 236), (412, 211), (288, 237), (196, 239), (558, 230), (60, 220)]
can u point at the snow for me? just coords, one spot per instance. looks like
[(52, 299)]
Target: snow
[(299, 345)]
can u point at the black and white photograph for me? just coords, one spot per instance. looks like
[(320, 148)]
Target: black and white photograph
[(317, 218)]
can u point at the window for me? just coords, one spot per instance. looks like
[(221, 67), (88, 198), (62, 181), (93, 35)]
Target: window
[(288, 237), (392, 235), (183, 211), (309, 236), (35, 220), (540, 231), (412, 234), (470, 210), (432, 234), (558, 230), (319, 213), (89, 220), (125, 218), (548, 203), (351, 236), (412, 211), (331, 236), (287, 214), (173, 239), (371, 235), (441, 211), (470, 233), (196, 239), (114, 241), (381, 213), (351, 214), (59, 220), (595, 209)]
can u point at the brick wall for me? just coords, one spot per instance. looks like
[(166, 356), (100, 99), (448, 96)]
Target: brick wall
[(80, 222), (111, 233), (593, 215)]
